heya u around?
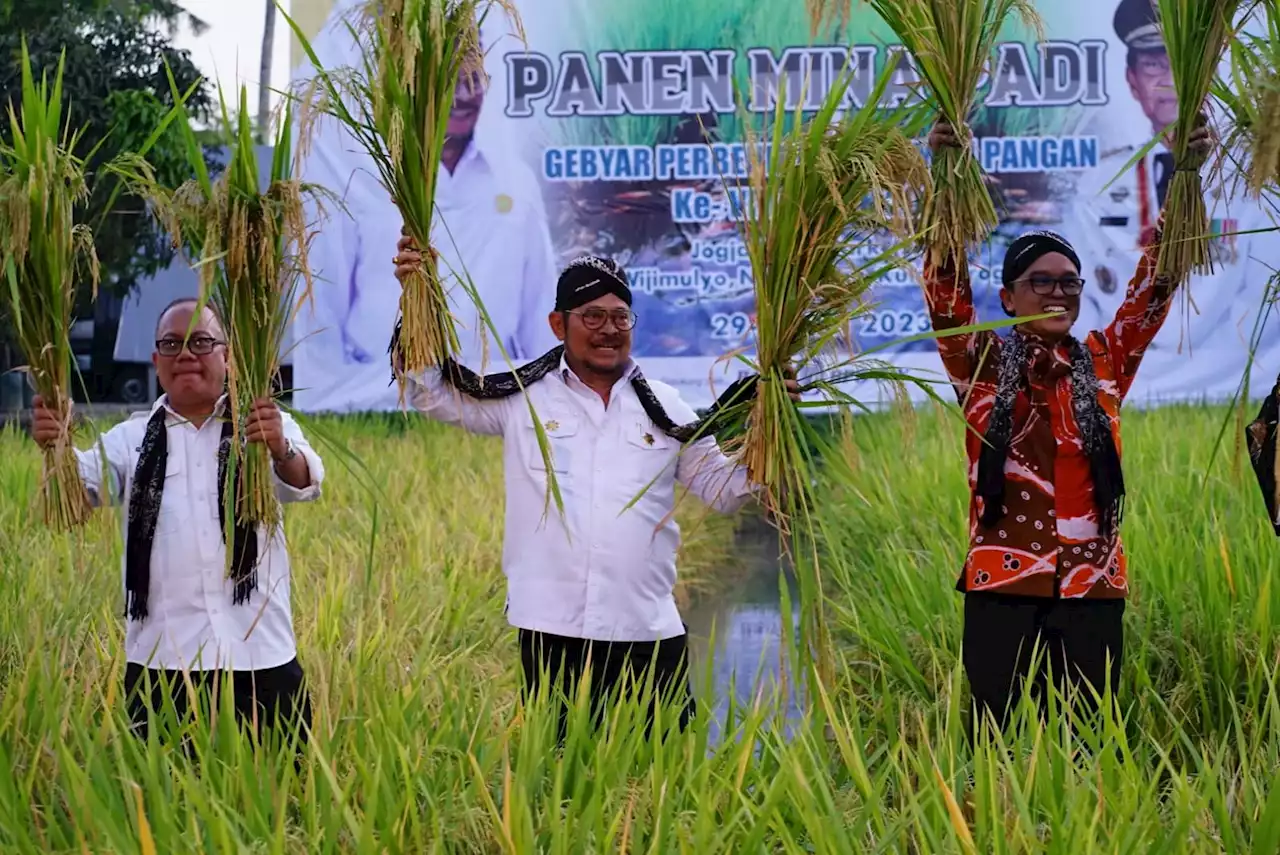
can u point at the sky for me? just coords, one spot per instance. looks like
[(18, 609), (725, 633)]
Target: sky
[(230, 51)]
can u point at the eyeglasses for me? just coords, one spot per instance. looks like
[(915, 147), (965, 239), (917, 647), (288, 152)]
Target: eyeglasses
[(1153, 65), (593, 319), (201, 345), (1043, 285)]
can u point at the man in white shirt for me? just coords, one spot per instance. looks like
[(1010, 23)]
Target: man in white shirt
[(491, 223), (183, 612), (596, 584)]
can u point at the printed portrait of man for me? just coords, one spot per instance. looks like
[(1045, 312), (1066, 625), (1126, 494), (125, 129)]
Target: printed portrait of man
[(490, 222), (1202, 349)]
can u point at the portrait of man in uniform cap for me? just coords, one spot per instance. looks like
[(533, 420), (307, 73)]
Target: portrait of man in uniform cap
[(1149, 76), (1204, 348), (491, 227)]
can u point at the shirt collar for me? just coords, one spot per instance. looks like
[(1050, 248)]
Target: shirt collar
[(566, 372), (477, 149), (219, 409)]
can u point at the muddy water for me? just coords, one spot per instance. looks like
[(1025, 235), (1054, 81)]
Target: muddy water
[(735, 635)]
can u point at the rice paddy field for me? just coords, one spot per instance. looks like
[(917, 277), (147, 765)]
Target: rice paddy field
[(420, 745)]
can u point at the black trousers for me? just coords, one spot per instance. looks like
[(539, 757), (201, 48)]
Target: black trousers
[(275, 697), (1077, 640), (616, 669)]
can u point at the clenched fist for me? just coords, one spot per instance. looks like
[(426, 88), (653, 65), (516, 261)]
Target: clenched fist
[(47, 425), (264, 425)]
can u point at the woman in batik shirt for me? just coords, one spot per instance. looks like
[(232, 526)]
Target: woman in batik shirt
[(1045, 568)]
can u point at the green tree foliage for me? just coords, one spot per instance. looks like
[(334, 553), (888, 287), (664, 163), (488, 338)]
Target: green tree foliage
[(118, 91)]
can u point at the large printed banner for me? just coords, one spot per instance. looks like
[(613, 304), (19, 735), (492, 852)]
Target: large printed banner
[(616, 128)]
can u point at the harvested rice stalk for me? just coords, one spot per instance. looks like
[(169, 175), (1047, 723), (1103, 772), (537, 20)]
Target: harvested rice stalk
[(396, 105), (249, 240), (1249, 94), (42, 252), (952, 43), (1195, 35), (823, 196)]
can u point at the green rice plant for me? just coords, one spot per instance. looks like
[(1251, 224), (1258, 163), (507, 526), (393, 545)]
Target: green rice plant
[(821, 194), (1196, 33), (396, 105), (421, 743), (248, 238), (953, 44), (43, 253), (828, 210)]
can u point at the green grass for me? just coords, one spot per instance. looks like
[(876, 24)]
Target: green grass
[(420, 746)]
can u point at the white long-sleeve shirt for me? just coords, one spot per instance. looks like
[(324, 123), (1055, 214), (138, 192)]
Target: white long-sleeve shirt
[(603, 571), (192, 621)]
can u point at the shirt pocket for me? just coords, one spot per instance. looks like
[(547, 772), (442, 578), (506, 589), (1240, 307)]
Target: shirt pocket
[(560, 434), (651, 455), (176, 499)]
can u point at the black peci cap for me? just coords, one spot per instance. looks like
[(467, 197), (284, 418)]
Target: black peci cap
[(590, 278), (1137, 25)]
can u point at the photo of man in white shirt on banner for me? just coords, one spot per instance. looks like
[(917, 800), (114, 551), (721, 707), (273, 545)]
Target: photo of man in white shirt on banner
[(491, 223)]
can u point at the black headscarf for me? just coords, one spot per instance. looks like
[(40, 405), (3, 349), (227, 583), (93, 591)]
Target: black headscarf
[(589, 278), (1030, 248)]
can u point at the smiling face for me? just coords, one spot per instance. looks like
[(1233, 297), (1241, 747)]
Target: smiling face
[(603, 351), (1041, 290), (193, 382)]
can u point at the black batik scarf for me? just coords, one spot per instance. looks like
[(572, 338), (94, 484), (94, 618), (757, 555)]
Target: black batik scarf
[(144, 510), (508, 383), (1094, 425), (1261, 438)]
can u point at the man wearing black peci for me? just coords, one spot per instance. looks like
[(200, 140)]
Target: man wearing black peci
[(591, 591)]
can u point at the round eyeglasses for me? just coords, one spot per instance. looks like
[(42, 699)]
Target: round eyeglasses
[(593, 319)]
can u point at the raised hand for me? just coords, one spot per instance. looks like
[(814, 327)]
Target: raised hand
[(408, 258), (943, 136), (789, 379), (1202, 140), (793, 385)]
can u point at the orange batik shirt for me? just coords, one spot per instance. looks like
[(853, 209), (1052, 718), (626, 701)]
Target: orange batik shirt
[(1047, 543)]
